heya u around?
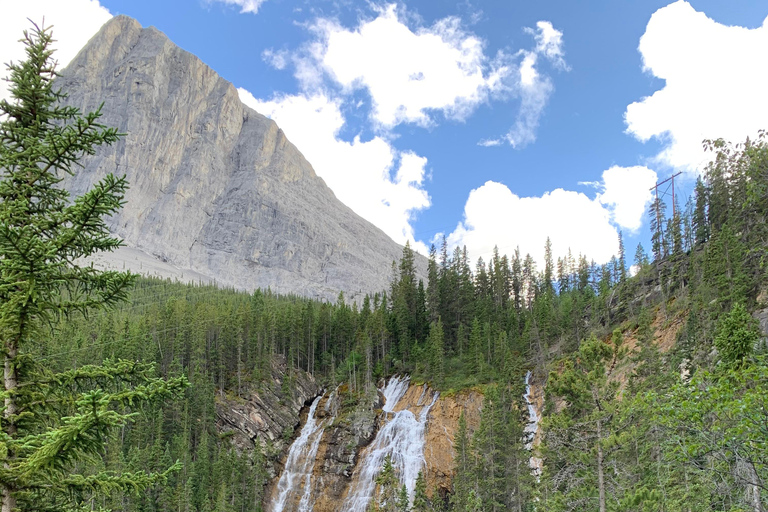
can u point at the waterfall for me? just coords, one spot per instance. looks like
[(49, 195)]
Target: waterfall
[(299, 465), (402, 437), (529, 433)]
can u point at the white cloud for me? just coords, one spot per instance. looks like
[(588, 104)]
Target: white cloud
[(412, 73), (246, 6), (534, 88), (409, 73), (715, 84), (276, 59), (74, 23), (358, 172), (488, 143), (626, 192), (549, 43), (493, 215)]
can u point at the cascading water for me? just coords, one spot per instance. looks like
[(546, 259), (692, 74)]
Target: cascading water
[(298, 466), (529, 433), (402, 437)]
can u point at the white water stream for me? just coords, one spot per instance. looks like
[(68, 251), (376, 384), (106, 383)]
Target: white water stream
[(529, 433), (298, 466), (402, 437)]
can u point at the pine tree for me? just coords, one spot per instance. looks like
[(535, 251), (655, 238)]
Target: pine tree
[(641, 259), (737, 335), (576, 438), (622, 260), (657, 214), (433, 290), (476, 361), (436, 352), (52, 421), (464, 477), (700, 221), (546, 283), (403, 504), (420, 501), (389, 492)]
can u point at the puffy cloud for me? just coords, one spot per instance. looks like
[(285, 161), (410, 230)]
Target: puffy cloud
[(715, 84), (276, 59), (358, 172), (489, 143), (413, 73), (409, 73), (494, 216), (626, 192), (246, 6), (74, 23)]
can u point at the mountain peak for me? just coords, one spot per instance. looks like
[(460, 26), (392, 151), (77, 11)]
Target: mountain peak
[(216, 188)]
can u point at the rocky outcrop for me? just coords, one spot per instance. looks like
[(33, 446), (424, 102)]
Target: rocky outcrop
[(216, 188), (353, 428), (270, 415), (442, 425)]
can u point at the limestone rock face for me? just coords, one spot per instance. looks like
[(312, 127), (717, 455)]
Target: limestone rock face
[(442, 426), (216, 187), (270, 415)]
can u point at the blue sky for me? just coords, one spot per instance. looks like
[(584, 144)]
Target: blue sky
[(488, 122)]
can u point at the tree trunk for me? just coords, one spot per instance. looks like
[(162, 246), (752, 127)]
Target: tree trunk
[(10, 382), (747, 472), (600, 477)]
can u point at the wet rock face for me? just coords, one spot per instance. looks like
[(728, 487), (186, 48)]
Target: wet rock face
[(340, 448), (268, 416), (216, 188)]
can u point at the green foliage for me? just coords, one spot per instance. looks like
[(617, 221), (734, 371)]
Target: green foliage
[(716, 426), (737, 334), (420, 500), (579, 439), (389, 497), (491, 470)]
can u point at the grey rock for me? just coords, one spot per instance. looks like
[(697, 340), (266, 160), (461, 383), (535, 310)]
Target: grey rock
[(761, 316), (353, 428), (269, 415), (216, 187)]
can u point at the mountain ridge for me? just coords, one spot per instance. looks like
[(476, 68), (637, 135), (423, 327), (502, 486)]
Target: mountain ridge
[(216, 188)]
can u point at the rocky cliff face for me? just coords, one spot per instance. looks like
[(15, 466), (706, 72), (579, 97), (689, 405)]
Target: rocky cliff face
[(216, 188), (270, 415), (350, 430), (443, 423)]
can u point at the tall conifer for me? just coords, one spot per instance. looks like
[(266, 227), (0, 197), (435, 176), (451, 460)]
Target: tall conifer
[(52, 421)]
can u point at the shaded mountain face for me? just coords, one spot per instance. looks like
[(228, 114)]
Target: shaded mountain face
[(216, 188)]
